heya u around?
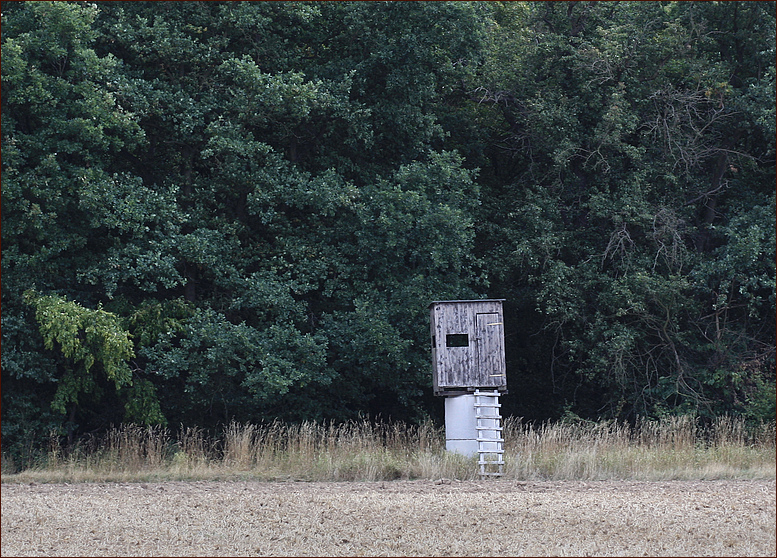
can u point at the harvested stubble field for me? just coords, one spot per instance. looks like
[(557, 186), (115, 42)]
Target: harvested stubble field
[(410, 518)]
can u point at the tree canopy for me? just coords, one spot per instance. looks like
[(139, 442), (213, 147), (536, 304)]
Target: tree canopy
[(217, 211)]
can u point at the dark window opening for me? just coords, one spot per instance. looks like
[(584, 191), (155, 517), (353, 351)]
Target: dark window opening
[(457, 340)]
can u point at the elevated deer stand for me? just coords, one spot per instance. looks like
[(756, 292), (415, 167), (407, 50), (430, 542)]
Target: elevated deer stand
[(469, 371)]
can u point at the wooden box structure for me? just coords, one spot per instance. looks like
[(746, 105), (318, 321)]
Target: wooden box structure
[(467, 346)]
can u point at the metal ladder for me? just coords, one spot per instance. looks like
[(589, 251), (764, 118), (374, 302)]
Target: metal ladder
[(489, 432)]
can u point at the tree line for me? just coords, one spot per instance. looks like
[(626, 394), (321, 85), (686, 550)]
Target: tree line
[(217, 211)]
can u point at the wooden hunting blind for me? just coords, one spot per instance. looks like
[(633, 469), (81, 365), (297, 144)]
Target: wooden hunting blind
[(467, 346)]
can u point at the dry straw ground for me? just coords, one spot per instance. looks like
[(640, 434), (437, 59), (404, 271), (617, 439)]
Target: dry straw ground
[(410, 518)]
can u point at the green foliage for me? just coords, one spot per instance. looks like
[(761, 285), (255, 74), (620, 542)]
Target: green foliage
[(233, 365), (628, 142), (260, 200), (88, 338)]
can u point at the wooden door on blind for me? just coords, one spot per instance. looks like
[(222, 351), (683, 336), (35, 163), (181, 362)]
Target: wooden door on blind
[(490, 349)]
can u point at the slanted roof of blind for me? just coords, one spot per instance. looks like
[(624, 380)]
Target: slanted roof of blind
[(460, 301)]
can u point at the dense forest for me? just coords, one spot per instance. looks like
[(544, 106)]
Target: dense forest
[(217, 211)]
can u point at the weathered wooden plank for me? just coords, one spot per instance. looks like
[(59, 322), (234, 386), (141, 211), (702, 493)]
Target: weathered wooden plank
[(490, 349)]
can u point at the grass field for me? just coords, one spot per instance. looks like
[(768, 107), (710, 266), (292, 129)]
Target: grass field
[(677, 448)]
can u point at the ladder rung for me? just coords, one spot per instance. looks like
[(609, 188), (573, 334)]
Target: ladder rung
[(489, 405), (491, 428), (491, 439)]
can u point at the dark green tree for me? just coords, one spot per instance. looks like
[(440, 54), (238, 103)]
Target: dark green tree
[(266, 217), (631, 162), (67, 200)]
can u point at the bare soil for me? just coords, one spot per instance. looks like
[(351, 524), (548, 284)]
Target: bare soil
[(400, 518)]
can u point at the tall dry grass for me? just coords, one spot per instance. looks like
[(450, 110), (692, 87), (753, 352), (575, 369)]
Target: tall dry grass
[(674, 448)]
